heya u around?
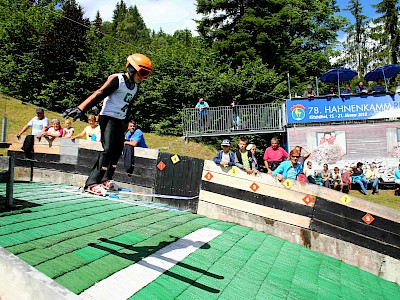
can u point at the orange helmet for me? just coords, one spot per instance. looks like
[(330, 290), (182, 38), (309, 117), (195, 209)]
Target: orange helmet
[(141, 63)]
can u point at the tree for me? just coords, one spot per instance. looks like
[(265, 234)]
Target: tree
[(387, 31), (132, 27), (295, 37), (356, 48)]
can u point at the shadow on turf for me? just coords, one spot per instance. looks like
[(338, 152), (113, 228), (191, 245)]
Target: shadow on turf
[(143, 252), (16, 206)]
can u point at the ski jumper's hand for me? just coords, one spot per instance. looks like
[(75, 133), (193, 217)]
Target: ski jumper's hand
[(74, 113)]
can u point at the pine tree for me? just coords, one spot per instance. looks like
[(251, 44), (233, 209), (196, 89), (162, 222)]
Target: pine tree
[(387, 31)]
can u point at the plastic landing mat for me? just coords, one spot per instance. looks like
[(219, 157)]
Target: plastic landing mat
[(84, 243)]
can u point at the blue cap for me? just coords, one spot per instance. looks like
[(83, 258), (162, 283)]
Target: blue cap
[(226, 142)]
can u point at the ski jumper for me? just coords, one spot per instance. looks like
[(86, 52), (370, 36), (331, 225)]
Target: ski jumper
[(117, 98)]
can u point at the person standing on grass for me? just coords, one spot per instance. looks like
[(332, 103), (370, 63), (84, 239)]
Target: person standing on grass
[(117, 95)]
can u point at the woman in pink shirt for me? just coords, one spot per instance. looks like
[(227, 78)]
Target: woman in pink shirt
[(274, 155)]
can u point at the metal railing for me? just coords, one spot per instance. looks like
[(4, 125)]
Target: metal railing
[(223, 120)]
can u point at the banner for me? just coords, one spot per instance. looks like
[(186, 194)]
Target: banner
[(329, 109)]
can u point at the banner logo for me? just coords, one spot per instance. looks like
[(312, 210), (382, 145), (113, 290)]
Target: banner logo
[(298, 112)]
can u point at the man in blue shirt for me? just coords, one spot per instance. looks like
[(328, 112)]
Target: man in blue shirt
[(134, 137), (202, 106)]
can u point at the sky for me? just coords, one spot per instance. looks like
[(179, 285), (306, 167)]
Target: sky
[(172, 15)]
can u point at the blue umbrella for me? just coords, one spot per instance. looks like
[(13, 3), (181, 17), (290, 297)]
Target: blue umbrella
[(382, 72), (338, 75)]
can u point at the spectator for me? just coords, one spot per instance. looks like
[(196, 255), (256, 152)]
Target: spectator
[(202, 106), (134, 136), (68, 131), (346, 177), (91, 132), (252, 148), (331, 90), (225, 157), (326, 176), (243, 158), (347, 90), (397, 181), (372, 175), (53, 130), (289, 169), (274, 155), (303, 158), (378, 88), (37, 123), (235, 115), (309, 92), (357, 176), (361, 89), (310, 173), (337, 179)]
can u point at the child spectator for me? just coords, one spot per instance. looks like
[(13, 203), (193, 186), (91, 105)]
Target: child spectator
[(290, 168), (337, 179), (52, 131), (326, 176), (310, 172), (252, 148), (68, 131), (373, 176), (243, 158), (91, 132), (225, 157)]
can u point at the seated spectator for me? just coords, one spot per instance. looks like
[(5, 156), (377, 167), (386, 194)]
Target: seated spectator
[(361, 88), (134, 136), (331, 90), (289, 169), (346, 177), (337, 179), (309, 92), (274, 155), (347, 90), (91, 132), (52, 131), (68, 131), (252, 148), (243, 158), (379, 87), (310, 173), (326, 176), (372, 175), (225, 157), (397, 181), (303, 158), (357, 176)]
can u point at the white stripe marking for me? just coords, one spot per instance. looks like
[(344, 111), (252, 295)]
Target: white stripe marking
[(127, 282)]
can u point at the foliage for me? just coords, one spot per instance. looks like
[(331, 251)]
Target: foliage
[(387, 31), (57, 58), (289, 36)]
